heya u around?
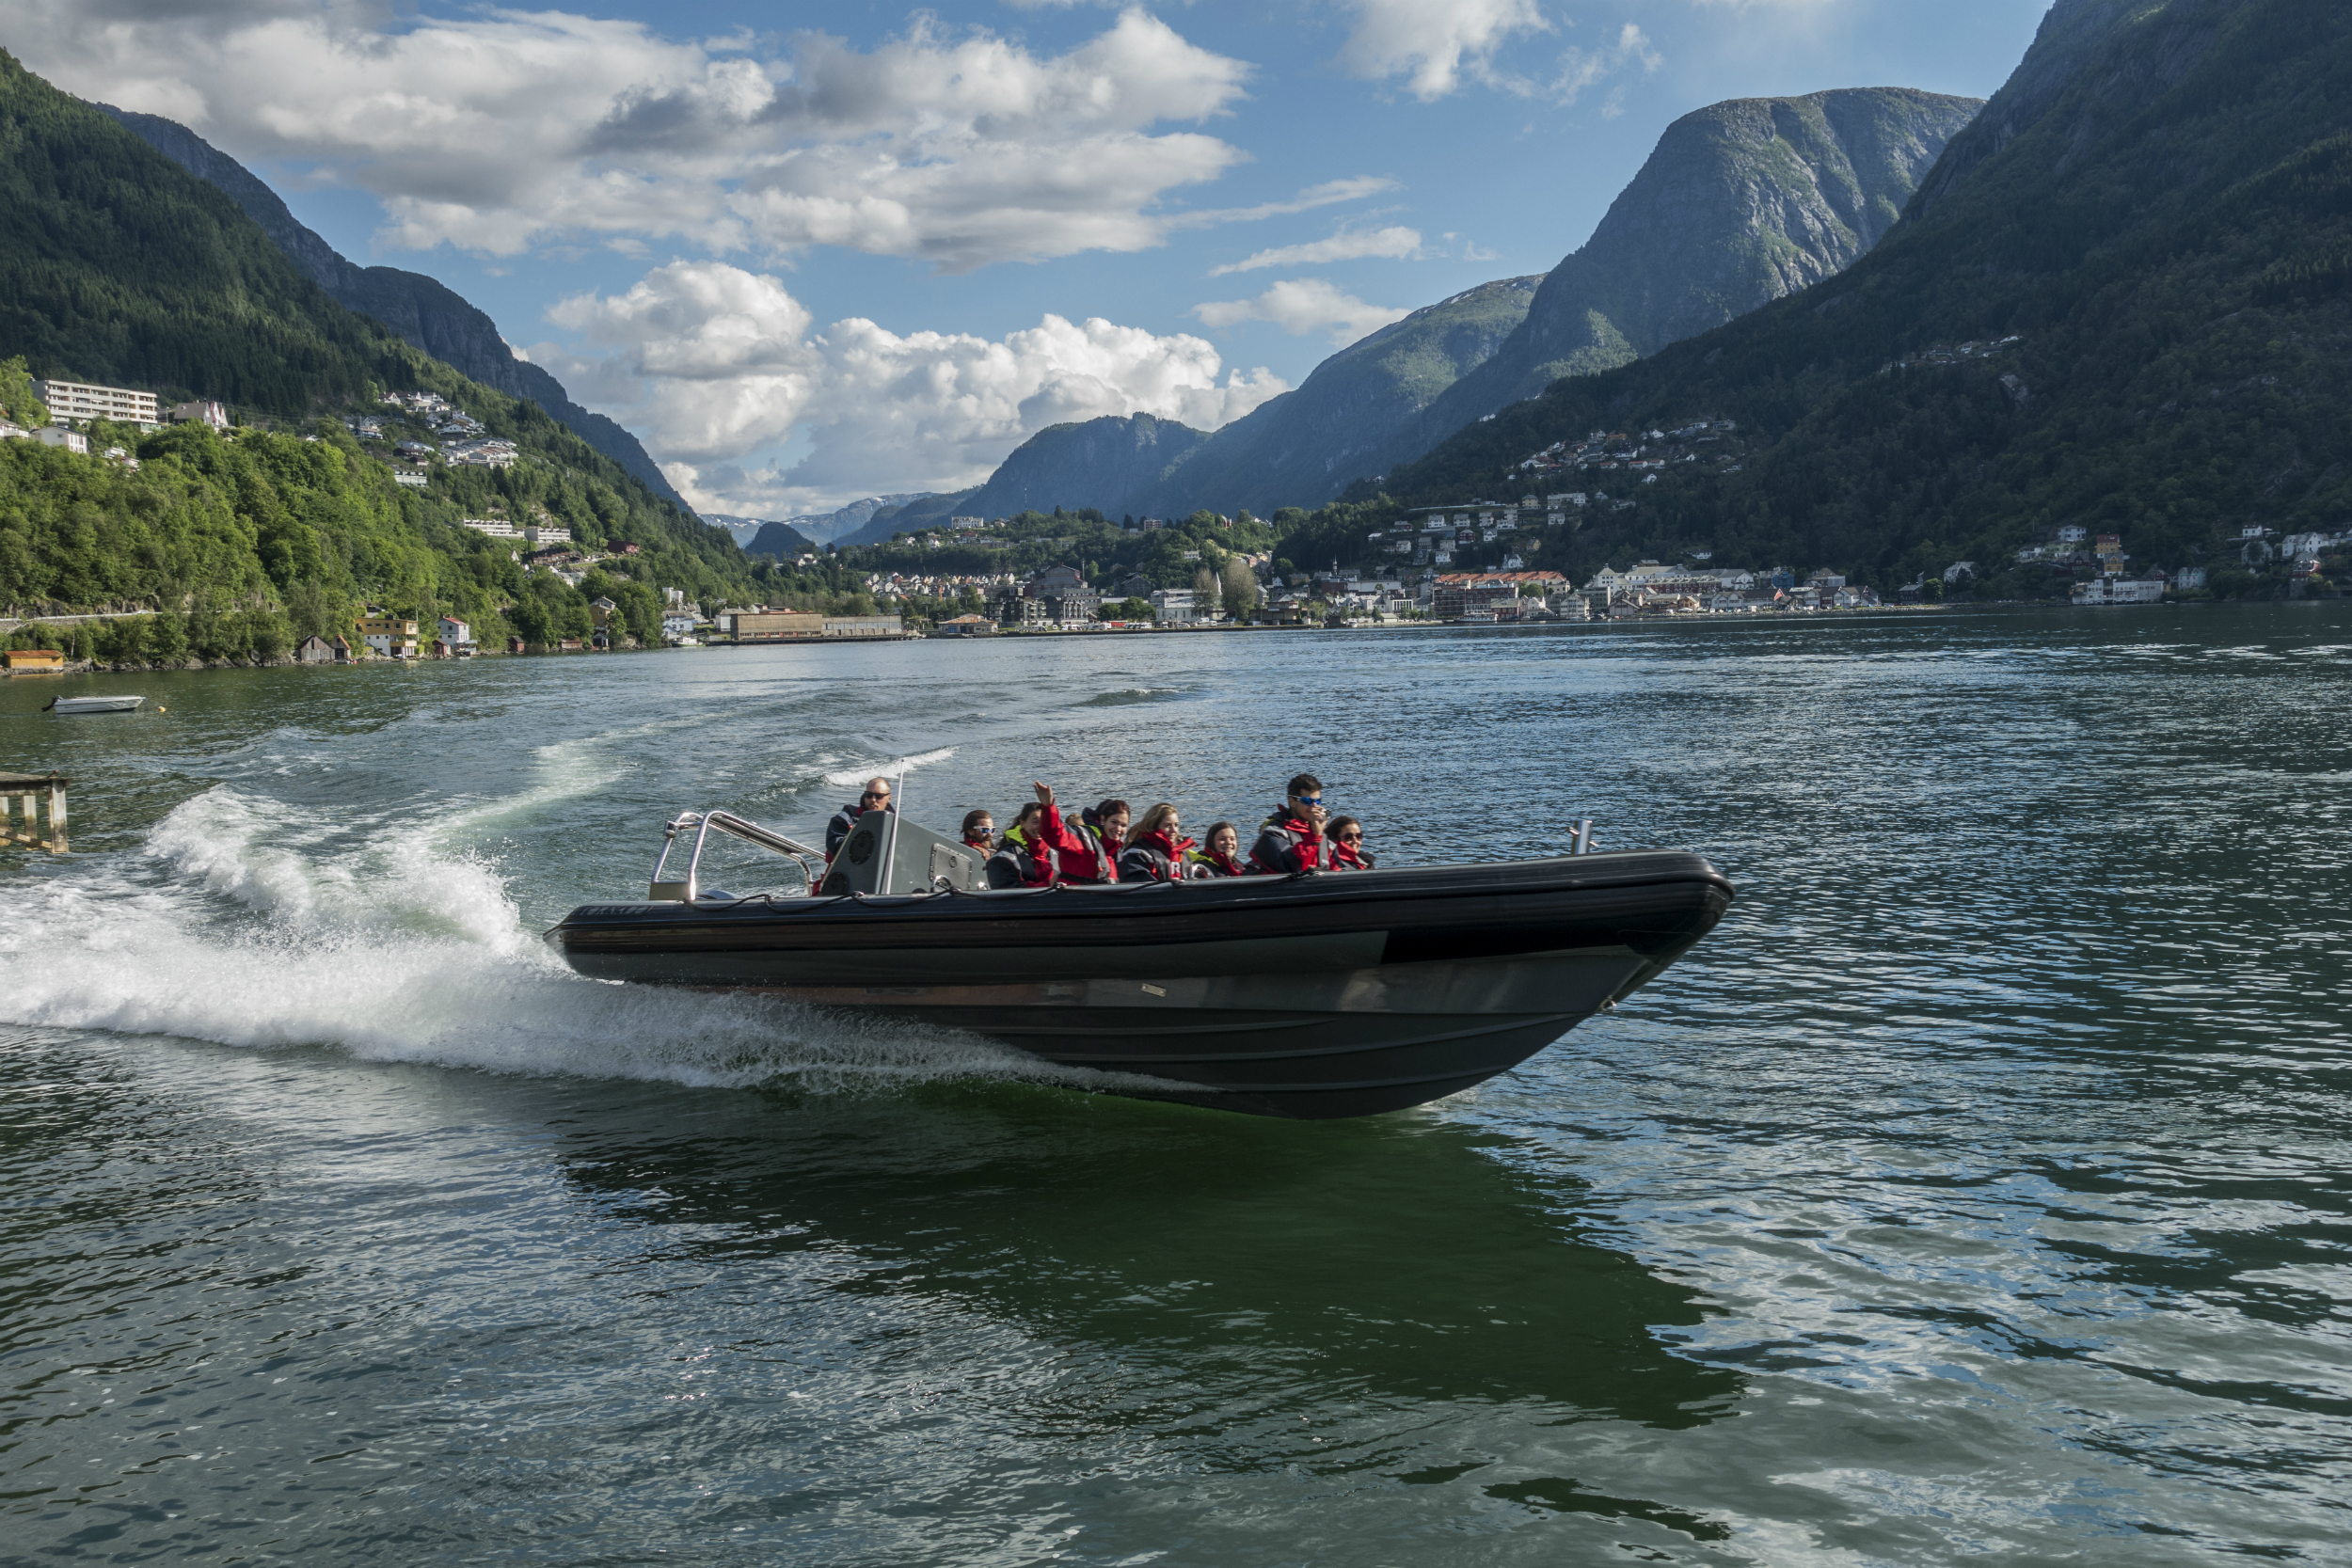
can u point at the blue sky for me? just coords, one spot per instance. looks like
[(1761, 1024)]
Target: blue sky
[(815, 253)]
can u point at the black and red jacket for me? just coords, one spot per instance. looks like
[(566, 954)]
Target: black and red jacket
[(1208, 863), (1036, 860), (1089, 858), (1151, 858), (1288, 845), (1349, 857)]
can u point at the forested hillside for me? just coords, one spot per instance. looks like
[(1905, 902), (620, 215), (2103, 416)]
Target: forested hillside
[(119, 266), (422, 310), (2158, 207)]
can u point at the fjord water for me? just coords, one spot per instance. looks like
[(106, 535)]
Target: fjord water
[(1978, 1191)]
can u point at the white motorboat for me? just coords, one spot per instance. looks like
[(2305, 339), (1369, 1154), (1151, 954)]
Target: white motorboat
[(94, 704)]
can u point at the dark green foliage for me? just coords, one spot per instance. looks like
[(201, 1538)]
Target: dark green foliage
[(2160, 203)]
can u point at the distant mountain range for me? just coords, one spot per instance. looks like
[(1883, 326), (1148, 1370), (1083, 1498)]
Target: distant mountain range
[(1739, 204), (848, 525), (422, 310), (2119, 300)]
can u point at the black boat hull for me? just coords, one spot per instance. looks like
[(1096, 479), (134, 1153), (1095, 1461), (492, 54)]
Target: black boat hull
[(1316, 997)]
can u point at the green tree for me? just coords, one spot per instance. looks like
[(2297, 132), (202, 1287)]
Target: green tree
[(18, 399)]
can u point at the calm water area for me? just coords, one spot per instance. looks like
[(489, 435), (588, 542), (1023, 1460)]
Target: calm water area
[(1979, 1191)]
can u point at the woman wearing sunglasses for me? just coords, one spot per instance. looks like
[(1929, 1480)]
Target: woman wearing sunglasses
[(1346, 837)]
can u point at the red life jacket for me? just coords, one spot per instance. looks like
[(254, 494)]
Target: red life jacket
[(1287, 845), (1154, 859), (1350, 857), (1086, 858), (1208, 863)]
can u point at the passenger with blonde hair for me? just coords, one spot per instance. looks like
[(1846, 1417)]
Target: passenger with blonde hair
[(1155, 852)]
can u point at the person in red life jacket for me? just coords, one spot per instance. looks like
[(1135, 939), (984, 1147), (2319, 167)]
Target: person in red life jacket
[(1155, 852), (1036, 849), (1099, 831), (1290, 843), (1346, 837), (1220, 856), (979, 831), (877, 798)]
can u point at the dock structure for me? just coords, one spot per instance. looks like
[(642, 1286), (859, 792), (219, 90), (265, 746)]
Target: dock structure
[(28, 788)]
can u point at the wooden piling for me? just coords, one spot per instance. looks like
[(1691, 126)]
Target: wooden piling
[(29, 788)]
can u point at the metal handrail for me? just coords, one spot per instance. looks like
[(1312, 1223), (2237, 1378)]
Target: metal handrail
[(663, 890)]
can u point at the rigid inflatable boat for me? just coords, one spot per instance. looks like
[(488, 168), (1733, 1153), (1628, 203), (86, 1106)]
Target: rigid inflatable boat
[(1313, 996)]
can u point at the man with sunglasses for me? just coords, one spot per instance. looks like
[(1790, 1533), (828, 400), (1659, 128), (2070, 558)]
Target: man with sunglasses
[(1290, 841), (877, 798)]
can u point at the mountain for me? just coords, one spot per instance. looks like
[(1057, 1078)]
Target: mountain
[(118, 265), (420, 310), (2157, 208), (1298, 450), (1740, 203), (1293, 449), (781, 540), (1108, 463)]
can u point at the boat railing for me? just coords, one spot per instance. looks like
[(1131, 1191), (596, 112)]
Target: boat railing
[(666, 890)]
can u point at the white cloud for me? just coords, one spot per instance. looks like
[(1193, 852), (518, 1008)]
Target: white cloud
[(1398, 243), (1431, 42), (716, 364), (1299, 306), (503, 129), (1581, 69)]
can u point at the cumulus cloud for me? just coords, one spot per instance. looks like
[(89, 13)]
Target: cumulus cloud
[(502, 129), (715, 363), (1399, 243), (1432, 43), (1299, 306)]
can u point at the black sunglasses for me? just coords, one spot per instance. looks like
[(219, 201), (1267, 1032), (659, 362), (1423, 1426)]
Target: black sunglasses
[(875, 794), (1351, 838)]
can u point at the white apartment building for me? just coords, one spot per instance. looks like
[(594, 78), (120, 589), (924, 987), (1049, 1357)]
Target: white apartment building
[(1175, 604), (494, 528), (410, 478), (75, 400), (546, 534)]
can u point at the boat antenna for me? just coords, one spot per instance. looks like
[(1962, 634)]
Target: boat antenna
[(890, 848)]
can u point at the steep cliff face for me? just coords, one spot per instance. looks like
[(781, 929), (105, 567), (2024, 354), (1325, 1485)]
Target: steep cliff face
[(2145, 239), (426, 313), (1740, 204)]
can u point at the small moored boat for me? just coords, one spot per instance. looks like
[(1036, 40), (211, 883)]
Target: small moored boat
[(94, 704), (1313, 996)]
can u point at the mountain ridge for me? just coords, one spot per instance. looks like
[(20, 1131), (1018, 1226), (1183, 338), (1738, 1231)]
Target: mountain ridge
[(2159, 206), (422, 310), (1750, 197), (1798, 189)]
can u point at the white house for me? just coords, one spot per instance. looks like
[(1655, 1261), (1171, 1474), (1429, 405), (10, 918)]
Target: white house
[(203, 412), (455, 632), (1175, 604), (57, 436), (677, 624)]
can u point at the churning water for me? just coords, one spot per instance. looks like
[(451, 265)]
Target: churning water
[(1978, 1190)]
